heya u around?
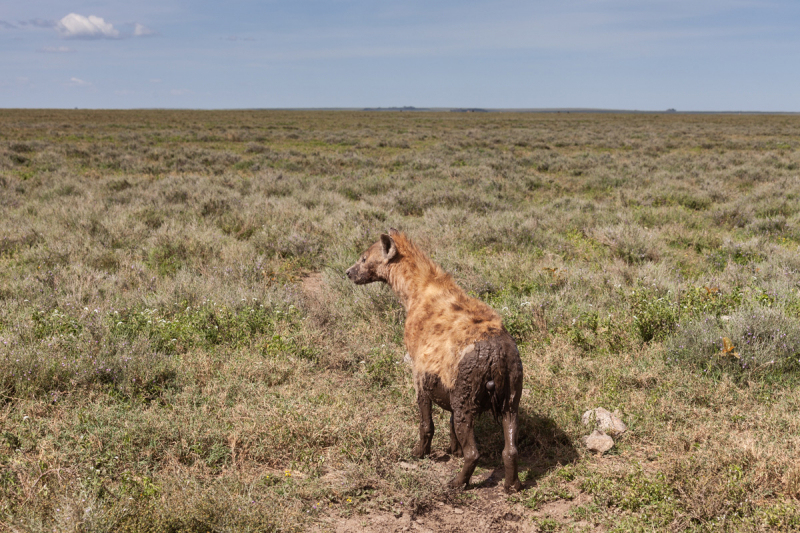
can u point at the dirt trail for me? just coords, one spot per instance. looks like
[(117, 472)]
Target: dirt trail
[(312, 284)]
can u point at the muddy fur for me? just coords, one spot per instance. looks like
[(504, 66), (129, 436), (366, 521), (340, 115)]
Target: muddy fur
[(462, 358)]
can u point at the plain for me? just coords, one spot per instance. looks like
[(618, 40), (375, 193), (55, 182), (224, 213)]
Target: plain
[(180, 351)]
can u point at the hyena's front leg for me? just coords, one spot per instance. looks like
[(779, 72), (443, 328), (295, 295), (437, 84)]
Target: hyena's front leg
[(423, 447)]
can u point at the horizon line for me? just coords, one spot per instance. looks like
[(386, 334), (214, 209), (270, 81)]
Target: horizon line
[(429, 109)]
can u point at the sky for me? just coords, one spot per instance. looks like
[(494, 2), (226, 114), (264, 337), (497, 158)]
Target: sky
[(690, 55)]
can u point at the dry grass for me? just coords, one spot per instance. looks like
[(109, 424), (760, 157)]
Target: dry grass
[(165, 367)]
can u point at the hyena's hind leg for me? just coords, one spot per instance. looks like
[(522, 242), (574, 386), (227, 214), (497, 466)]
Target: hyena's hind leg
[(423, 447), (512, 482), (465, 432), (455, 446), (510, 424)]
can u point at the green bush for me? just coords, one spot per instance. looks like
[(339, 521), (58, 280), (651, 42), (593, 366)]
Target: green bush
[(655, 315)]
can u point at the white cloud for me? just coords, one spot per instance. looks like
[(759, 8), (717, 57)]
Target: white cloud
[(140, 30), (77, 82), (75, 26), (55, 50)]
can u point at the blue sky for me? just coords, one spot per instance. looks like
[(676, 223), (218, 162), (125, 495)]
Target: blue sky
[(708, 55)]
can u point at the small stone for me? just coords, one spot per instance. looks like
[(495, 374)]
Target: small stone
[(605, 421), (408, 466), (598, 442), (458, 511)]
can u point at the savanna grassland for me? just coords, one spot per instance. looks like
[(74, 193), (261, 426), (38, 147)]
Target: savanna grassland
[(179, 349)]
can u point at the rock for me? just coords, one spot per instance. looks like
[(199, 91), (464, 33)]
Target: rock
[(605, 421), (598, 442)]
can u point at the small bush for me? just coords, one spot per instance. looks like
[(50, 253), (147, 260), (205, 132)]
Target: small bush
[(630, 243), (656, 315), (766, 340)]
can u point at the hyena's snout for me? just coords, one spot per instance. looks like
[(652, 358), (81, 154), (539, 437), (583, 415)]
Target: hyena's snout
[(351, 273), (358, 275)]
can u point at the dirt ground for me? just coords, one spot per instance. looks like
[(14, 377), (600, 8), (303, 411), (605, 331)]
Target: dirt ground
[(485, 508)]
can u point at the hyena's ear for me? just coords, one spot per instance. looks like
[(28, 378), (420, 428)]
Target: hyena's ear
[(393, 232), (388, 247)]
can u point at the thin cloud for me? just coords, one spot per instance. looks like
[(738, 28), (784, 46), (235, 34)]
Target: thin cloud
[(38, 23), (140, 30), (7, 25), (77, 82), (55, 50), (75, 26)]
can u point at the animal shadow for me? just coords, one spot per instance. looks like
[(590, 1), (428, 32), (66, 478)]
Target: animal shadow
[(541, 445)]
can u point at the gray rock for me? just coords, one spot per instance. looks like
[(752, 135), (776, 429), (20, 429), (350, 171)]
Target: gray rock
[(598, 442), (605, 421)]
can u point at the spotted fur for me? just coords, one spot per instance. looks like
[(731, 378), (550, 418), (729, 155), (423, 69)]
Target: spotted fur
[(441, 319)]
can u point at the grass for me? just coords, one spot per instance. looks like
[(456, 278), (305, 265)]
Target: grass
[(179, 350)]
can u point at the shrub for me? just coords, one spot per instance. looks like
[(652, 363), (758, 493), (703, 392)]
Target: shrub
[(655, 315), (765, 340), (630, 243)]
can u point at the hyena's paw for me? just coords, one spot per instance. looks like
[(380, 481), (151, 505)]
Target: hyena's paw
[(512, 487), (457, 484), (420, 450)]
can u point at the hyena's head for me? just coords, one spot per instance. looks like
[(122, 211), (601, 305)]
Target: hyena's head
[(373, 265)]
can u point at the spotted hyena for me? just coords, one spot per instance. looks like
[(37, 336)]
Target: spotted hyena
[(462, 358)]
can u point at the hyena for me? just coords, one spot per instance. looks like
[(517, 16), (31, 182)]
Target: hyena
[(462, 358)]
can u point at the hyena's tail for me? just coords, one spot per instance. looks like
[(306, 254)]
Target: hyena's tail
[(505, 385)]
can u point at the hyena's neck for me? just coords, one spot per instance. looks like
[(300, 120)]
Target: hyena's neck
[(414, 281)]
